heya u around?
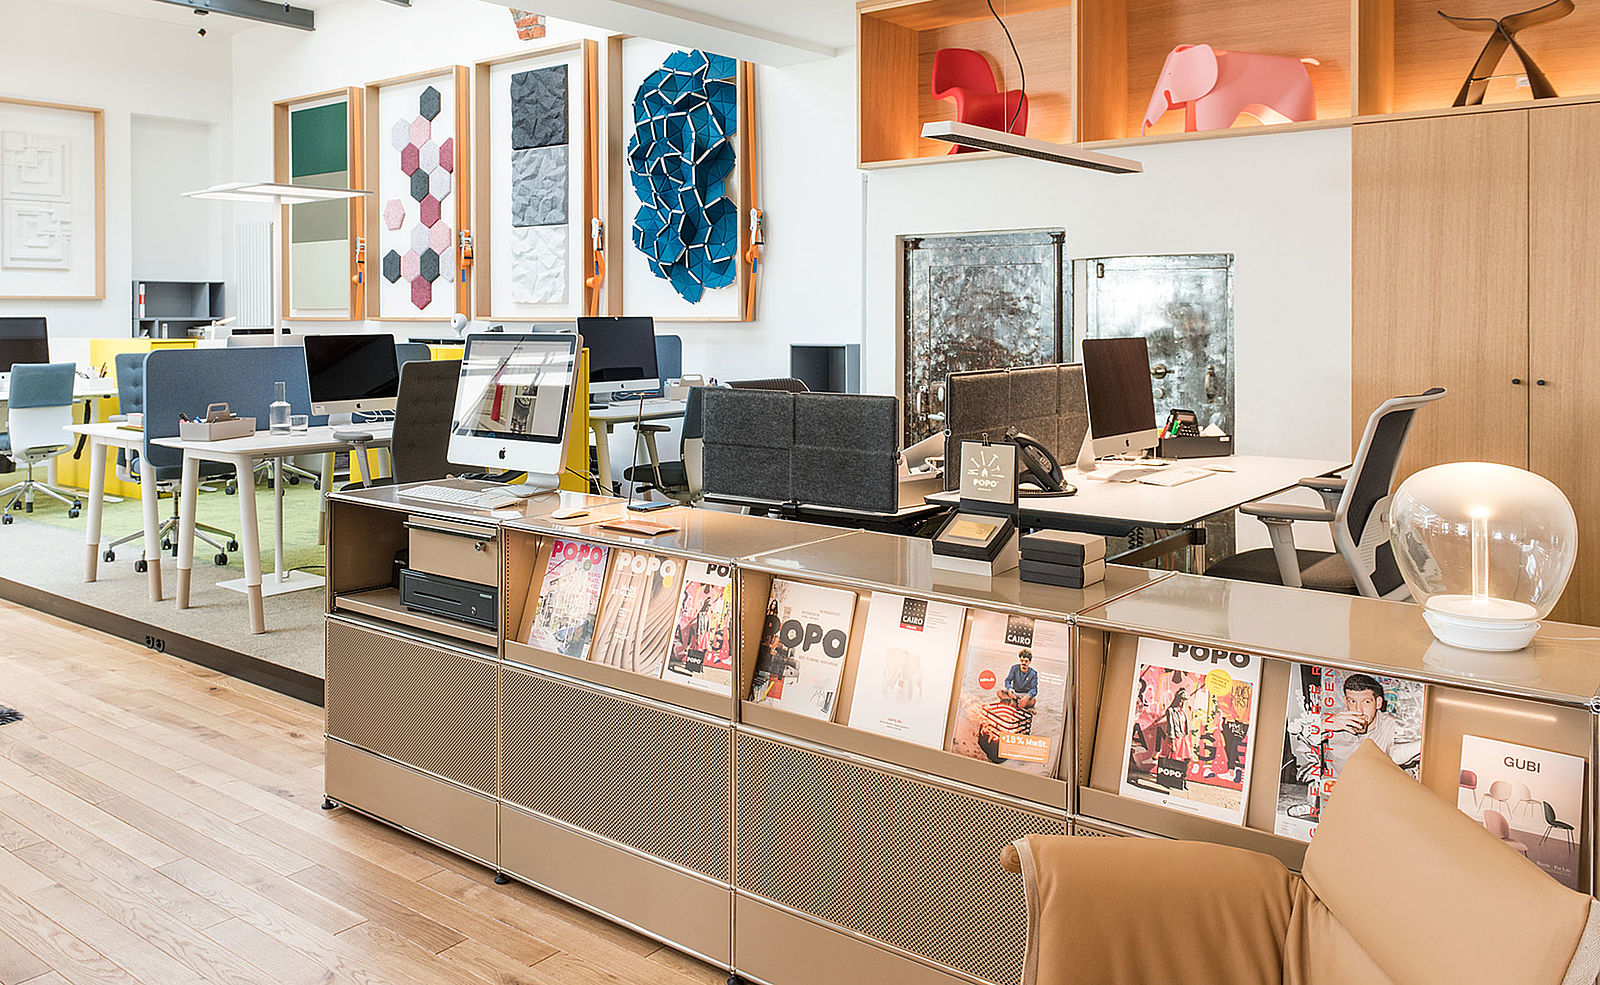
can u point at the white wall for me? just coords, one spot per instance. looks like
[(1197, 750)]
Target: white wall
[(174, 237), (127, 66), (1280, 203), (810, 285)]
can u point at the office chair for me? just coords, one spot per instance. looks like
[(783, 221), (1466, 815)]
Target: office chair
[(680, 480), (41, 409), (130, 468), (1397, 886), (1357, 511), (786, 384), (421, 443)]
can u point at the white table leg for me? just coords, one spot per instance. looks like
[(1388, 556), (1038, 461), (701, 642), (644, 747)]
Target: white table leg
[(602, 454), (97, 498), (150, 499), (250, 543), (188, 496)]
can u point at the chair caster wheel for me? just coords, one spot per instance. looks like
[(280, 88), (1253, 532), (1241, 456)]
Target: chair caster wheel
[(141, 566), (166, 543), (27, 508), (8, 519), (317, 485), (221, 560), (73, 512), (501, 879), (230, 489), (109, 556), (294, 480), (233, 545)]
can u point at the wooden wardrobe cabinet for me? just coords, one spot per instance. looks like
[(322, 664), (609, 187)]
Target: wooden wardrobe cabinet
[(1476, 267)]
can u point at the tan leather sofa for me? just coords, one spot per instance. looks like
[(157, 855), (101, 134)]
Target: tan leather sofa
[(1399, 888)]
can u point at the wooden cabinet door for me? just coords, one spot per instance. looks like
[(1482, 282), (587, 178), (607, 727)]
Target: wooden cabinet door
[(1564, 328), (1440, 278)]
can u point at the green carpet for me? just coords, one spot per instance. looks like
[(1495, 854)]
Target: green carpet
[(300, 524)]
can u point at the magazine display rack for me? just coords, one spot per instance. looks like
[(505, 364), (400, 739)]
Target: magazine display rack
[(795, 849)]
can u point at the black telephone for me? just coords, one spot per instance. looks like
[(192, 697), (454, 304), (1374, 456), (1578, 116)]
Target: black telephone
[(1181, 424), (1038, 472)]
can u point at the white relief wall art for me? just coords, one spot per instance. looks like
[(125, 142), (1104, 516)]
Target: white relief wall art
[(51, 176)]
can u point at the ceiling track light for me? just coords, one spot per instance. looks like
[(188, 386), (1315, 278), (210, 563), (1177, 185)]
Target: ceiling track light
[(983, 138), (277, 14)]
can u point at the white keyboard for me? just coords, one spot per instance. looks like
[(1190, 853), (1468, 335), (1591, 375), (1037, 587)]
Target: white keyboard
[(487, 499)]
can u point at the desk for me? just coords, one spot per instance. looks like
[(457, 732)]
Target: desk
[(603, 419), (102, 437), (1116, 507), (243, 454)]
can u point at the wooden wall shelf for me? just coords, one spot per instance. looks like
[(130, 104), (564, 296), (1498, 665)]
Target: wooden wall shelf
[(1092, 64)]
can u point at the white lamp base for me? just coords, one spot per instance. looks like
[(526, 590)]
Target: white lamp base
[(1480, 634)]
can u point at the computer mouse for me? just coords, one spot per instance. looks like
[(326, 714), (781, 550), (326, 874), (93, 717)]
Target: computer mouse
[(571, 514)]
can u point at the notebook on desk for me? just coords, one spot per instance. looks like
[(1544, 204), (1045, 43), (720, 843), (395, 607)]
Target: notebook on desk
[(1153, 476)]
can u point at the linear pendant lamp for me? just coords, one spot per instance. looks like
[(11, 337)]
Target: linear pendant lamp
[(983, 138)]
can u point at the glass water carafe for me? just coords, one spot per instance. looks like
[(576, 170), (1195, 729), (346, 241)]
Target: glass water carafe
[(278, 413)]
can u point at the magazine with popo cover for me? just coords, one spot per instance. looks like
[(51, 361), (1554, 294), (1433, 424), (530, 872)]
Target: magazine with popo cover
[(1191, 728), (803, 643), (1330, 712), (907, 668), (1012, 705), (1531, 799), (701, 653), (563, 617), (638, 612)]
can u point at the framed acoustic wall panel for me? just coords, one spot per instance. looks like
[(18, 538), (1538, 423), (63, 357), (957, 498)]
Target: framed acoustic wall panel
[(317, 142), (52, 201), (418, 166), (686, 150), (536, 182)]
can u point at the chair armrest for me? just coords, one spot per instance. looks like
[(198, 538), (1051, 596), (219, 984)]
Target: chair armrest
[(650, 428), (1287, 511), (116, 418), (1326, 483)]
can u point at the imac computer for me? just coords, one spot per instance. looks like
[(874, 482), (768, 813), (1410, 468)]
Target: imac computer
[(1122, 408), (512, 404), (22, 340), (351, 374), (622, 355)]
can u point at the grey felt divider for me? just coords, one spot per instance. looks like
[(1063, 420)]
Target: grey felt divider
[(1047, 402)]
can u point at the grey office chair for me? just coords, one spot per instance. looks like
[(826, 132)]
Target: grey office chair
[(786, 384), (680, 480), (131, 468), (1356, 509), (421, 444), (41, 406)]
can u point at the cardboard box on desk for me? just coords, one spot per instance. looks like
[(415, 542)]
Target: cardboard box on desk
[(219, 424)]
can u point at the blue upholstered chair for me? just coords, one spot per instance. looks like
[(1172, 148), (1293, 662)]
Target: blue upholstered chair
[(131, 468), (40, 411)]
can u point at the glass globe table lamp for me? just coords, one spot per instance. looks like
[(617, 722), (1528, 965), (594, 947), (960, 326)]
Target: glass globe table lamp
[(1486, 549)]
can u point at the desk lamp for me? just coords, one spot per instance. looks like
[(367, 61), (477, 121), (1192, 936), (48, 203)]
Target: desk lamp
[(1486, 549), (274, 194)]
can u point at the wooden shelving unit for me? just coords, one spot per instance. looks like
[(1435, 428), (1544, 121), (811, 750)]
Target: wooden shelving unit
[(1093, 64)]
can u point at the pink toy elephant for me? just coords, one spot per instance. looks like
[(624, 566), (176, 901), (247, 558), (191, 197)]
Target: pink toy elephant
[(1215, 86)]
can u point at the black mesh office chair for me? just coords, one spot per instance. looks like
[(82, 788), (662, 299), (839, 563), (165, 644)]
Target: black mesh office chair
[(421, 443), (680, 480), (787, 384), (1357, 510)]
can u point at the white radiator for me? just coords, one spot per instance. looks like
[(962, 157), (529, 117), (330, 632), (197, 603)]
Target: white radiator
[(253, 274)]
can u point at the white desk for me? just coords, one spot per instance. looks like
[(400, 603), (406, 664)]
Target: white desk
[(603, 420), (102, 437), (1101, 506), (243, 454)]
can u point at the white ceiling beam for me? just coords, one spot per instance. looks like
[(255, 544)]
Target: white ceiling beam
[(677, 25)]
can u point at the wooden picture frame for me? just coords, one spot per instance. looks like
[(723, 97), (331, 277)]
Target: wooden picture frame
[(451, 290), (50, 280), (630, 288), (357, 269), (493, 274)]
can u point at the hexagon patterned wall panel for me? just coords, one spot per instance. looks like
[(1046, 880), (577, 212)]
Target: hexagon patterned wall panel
[(680, 159), (417, 188)]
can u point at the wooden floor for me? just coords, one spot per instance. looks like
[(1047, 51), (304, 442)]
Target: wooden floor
[(161, 823)]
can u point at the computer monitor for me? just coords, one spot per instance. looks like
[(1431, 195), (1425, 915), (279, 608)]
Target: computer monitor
[(351, 373), (622, 354), (513, 402), (23, 340), (1122, 407)]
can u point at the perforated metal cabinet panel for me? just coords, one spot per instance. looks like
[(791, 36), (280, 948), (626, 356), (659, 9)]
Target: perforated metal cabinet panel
[(423, 705), (639, 775), (905, 862)]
